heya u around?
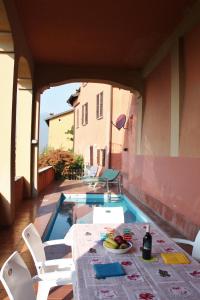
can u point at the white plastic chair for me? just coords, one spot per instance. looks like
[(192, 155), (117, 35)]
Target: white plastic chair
[(108, 215), (36, 247), (17, 281), (195, 244), (90, 172), (57, 271)]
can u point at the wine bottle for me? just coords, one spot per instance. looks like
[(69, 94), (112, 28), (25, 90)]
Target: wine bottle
[(147, 244)]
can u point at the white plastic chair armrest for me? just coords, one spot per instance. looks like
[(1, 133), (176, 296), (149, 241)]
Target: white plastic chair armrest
[(56, 265), (183, 241), (61, 262), (54, 242), (55, 276)]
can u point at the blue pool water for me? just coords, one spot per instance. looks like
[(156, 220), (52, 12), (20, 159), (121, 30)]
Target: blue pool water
[(79, 209)]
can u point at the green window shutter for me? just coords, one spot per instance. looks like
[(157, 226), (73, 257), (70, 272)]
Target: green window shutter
[(101, 105), (86, 113), (82, 117)]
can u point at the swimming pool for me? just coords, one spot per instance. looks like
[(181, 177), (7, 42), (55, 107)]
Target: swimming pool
[(78, 208)]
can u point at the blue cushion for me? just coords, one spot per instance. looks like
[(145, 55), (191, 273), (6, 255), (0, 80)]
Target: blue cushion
[(108, 270)]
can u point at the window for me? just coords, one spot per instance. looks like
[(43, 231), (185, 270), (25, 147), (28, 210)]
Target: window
[(101, 157), (77, 118), (85, 114), (98, 157), (99, 106), (91, 155)]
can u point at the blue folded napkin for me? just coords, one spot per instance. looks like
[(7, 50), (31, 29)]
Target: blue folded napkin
[(108, 270)]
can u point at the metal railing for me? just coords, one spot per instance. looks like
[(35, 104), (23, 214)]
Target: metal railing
[(74, 174)]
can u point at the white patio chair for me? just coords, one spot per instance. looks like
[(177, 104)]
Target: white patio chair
[(57, 271), (108, 215), (17, 281), (90, 172), (195, 244)]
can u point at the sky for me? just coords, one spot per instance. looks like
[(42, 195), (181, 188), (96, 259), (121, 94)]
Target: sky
[(53, 100)]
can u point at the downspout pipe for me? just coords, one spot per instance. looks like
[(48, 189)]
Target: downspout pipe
[(110, 127)]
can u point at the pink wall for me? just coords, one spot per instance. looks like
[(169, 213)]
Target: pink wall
[(121, 104), (190, 120), (156, 111), (169, 185), (168, 180)]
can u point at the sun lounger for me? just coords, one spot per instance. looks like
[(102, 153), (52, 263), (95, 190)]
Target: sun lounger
[(109, 176)]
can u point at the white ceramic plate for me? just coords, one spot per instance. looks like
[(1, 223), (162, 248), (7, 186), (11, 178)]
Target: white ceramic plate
[(119, 251)]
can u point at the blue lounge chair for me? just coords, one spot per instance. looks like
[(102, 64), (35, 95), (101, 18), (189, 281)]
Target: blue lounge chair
[(109, 176)]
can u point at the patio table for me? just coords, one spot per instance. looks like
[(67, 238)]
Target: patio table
[(143, 280)]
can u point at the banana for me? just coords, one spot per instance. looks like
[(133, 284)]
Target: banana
[(112, 243)]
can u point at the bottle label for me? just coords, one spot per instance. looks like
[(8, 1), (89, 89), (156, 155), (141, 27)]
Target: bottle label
[(147, 246)]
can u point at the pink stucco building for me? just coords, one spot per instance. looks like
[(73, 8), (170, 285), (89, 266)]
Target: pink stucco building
[(97, 107)]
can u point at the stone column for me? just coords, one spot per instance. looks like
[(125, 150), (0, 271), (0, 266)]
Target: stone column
[(23, 132), (35, 144)]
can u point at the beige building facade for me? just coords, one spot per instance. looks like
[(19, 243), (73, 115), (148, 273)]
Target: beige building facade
[(61, 130), (96, 108)]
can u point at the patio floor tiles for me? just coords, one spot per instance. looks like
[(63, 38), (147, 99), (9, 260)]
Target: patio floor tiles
[(11, 240), (61, 293)]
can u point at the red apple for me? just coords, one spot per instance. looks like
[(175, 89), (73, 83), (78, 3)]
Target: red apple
[(119, 239)]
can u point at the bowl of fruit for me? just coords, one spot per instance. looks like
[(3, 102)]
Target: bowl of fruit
[(117, 245)]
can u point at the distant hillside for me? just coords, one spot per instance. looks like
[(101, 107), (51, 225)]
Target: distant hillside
[(43, 141)]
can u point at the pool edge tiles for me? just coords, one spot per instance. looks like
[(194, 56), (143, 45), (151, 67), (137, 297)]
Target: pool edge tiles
[(84, 198)]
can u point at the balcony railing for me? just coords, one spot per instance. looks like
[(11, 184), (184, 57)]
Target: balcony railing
[(74, 174)]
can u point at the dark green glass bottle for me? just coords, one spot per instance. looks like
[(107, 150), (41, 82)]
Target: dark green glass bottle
[(147, 244)]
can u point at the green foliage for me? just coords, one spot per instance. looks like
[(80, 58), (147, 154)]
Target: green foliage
[(71, 133), (78, 163), (65, 163)]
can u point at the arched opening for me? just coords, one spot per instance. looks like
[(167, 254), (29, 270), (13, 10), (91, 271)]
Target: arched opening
[(96, 106), (7, 118), (23, 125)]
